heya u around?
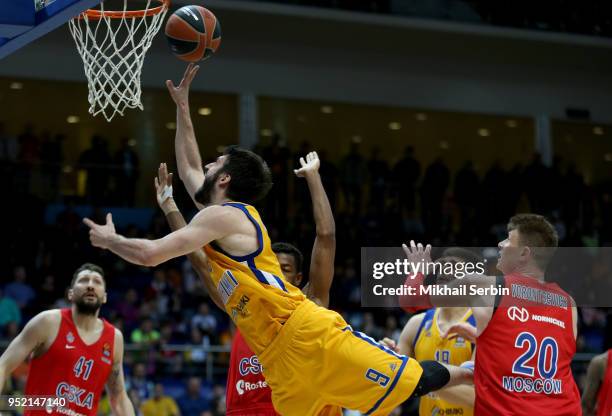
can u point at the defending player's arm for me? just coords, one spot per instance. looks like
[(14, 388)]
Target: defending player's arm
[(32, 338), (211, 223), (594, 378), (198, 260), (324, 248), (115, 385), (188, 160)]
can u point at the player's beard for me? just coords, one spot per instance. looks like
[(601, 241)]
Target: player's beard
[(85, 308), (204, 194)]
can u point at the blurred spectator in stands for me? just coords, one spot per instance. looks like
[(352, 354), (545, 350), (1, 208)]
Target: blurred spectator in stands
[(391, 329), (47, 293), (139, 382), (204, 320), (491, 199), (536, 183), (146, 335), (378, 171), (352, 177), (199, 345), (158, 291), (128, 309), (329, 178), (593, 321), (52, 157), (277, 156), (218, 400), (8, 148), (136, 401), (68, 221), (433, 191), (368, 326), (573, 194), (467, 194), (193, 402), (160, 404), (9, 312), (19, 290), (126, 173), (27, 158), (96, 161), (405, 175)]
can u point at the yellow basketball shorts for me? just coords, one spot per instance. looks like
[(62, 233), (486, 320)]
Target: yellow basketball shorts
[(318, 365)]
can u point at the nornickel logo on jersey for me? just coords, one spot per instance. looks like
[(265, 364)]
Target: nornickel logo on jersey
[(516, 313)]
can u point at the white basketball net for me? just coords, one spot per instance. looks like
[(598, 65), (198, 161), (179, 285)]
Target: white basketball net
[(113, 51)]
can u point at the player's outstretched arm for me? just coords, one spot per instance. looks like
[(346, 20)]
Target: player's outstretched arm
[(198, 259), (115, 385), (324, 248), (32, 338), (188, 158), (211, 223), (594, 377)]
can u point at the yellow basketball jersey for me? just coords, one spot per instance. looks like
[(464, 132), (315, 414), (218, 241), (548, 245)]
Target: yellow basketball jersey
[(429, 345), (255, 294)]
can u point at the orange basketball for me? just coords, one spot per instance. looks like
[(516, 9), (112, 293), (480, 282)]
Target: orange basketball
[(193, 33)]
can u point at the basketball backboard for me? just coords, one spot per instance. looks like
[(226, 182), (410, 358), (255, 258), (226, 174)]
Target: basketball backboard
[(23, 21)]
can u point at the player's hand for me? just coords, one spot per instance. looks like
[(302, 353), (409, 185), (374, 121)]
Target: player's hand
[(389, 343), (180, 94), (461, 329), (163, 187), (309, 166), (101, 235), (416, 253)]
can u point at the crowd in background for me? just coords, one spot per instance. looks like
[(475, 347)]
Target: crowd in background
[(166, 314)]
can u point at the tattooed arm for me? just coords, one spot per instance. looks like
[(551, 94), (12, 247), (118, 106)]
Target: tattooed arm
[(115, 385)]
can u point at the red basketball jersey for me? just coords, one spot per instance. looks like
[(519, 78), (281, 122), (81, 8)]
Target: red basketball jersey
[(604, 397), (247, 393), (72, 370), (523, 357)]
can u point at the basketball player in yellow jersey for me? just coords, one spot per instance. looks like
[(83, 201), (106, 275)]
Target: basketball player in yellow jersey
[(312, 359), (423, 338)]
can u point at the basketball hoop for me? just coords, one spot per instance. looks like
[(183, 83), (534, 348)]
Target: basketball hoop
[(113, 44)]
